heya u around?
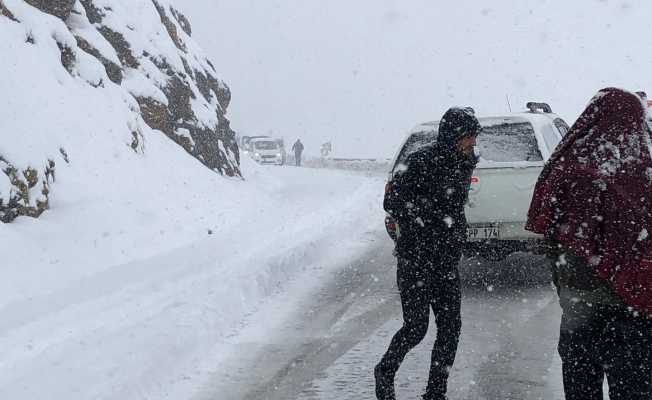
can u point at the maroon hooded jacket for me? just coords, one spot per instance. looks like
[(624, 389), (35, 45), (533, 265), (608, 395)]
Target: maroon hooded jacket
[(594, 195)]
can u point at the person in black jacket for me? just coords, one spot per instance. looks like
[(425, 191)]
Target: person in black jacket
[(426, 199), (297, 147)]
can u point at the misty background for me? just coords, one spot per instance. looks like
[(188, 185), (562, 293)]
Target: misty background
[(360, 74)]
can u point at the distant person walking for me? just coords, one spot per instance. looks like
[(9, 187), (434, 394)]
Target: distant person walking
[(297, 147), (593, 203), (427, 202)]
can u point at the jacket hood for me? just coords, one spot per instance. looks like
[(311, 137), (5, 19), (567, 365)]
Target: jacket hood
[(455, 124)]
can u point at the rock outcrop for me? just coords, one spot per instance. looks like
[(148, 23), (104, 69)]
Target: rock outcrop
[(58, 8)]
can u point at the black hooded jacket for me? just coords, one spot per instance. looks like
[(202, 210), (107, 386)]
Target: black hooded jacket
[(427, 198)]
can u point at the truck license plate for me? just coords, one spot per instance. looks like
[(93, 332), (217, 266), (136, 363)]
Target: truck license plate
[(483, 231)]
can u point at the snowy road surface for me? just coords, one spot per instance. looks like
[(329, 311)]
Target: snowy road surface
[(281, 287), (328, 348)]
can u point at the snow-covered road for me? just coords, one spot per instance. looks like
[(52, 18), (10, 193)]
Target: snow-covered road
[(327, 348), (290, 295)]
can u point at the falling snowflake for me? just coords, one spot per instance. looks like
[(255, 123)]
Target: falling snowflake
[(643, 235)]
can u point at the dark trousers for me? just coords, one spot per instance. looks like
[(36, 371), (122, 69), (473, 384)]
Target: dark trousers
[(426, 284), (297, 159), (605, 340)]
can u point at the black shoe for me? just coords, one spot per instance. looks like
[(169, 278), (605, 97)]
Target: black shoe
[(384, 385), (435, 397)]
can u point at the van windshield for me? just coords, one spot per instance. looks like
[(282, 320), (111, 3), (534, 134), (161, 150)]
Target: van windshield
[(266, 145)]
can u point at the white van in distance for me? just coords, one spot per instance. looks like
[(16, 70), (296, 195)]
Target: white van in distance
[(266, 151)]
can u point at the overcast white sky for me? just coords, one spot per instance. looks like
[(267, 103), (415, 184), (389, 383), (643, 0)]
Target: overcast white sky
[(361, 73)]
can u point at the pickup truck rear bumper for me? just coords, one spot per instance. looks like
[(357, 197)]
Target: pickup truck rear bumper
[(496, 249), (511, 237)]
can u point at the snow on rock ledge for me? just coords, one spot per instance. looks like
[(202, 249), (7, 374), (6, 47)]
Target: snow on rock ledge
[(89, 75)]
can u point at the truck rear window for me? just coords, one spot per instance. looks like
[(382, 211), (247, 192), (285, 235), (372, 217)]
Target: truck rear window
[(508, 142)]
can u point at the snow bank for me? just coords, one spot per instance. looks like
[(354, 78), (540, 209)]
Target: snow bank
[(370, 167)]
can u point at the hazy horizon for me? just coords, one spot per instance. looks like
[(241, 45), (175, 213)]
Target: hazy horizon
[(362, 74)]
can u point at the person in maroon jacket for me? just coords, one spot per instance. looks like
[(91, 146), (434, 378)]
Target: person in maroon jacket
[(593, 204)]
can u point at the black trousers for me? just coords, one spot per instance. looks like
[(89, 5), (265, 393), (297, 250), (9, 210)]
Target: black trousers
[(427, 281), (297, 159), (598, 341)]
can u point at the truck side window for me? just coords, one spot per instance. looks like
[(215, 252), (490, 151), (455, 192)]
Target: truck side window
[(415, 142), (551, 136), (562, 126)]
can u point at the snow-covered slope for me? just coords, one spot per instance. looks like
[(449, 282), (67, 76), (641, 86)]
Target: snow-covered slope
[(87, 97)]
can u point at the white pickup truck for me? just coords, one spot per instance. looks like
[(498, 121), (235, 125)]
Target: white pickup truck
[(513, 149)]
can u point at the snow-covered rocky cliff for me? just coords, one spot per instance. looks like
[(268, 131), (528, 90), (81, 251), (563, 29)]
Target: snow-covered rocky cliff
[(87, 85)]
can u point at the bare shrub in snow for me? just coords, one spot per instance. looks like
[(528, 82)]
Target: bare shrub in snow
[(28, 190)]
